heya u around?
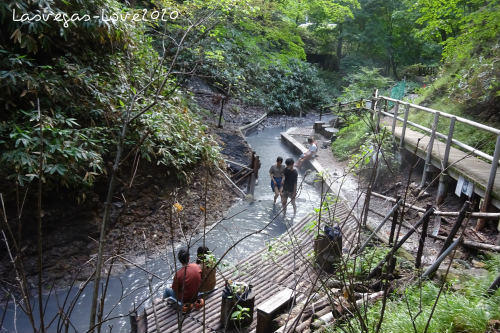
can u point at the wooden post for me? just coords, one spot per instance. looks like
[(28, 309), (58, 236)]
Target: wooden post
[(494, 286), (374, 103), (379, 116), (441, 193), (378, 269), (429, 150), (456, 226), (222, 100), (386, 218), (251, 179), (395, 217), (133, 320), (403, 130), (491, 182), (421, 240), (255, 173), (394, 119)]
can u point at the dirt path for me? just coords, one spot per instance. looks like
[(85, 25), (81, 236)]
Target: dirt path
[(350, 187)]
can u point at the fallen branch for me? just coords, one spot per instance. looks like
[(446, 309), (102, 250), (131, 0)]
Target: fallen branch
[(240, 192), (438, 212), (367, 298), (472, 244)]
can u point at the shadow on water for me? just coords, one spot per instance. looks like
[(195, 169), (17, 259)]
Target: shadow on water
[(131, 286)]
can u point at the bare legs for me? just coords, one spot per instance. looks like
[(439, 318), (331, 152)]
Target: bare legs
[(277, 193), (292, 201)]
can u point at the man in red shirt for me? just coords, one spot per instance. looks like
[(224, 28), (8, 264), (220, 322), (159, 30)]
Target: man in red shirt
[(187, 280)]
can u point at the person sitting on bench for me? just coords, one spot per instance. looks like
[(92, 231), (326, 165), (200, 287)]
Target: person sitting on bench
[(310, 153), (187, 280)]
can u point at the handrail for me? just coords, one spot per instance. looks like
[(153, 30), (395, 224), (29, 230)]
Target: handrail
[(471, 149), (446, 115), (495, 159)]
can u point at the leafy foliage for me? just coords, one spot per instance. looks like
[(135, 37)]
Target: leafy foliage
[(468, 310), (350, 138), (84, 88), (362, 83), (261, 59)]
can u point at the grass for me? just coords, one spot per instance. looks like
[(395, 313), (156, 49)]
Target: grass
[(457, 91), (350, 138), (465, 310), (483, 140)]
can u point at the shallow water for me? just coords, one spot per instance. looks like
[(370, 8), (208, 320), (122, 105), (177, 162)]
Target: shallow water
[(131, 287)]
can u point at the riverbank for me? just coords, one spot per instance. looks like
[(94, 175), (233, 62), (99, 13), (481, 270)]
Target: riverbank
[(140, 221)]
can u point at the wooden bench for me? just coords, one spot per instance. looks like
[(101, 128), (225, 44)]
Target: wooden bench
[(267, 310)]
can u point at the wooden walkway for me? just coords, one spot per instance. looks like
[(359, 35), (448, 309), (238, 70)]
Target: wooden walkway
[(287, 265), (460, 163)]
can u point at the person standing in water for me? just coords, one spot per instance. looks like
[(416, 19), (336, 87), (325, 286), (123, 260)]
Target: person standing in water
[(289, 185), (276, 173)]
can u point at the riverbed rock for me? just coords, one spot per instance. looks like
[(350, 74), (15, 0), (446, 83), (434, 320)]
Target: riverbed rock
[(310, 178)]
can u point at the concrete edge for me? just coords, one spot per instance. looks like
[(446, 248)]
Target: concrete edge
[(290, 141), (297, 146), (252, 125)]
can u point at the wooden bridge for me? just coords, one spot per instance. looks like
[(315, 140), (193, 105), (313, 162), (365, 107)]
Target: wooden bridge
[(440, 150), (269, 271)]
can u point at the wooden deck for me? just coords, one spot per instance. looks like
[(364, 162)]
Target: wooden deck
[(268, 271), (460, 163)]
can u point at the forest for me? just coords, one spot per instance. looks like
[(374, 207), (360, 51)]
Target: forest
[(99, 109)]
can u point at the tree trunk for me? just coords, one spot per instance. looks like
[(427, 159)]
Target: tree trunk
[(394, 66), (339, 46)]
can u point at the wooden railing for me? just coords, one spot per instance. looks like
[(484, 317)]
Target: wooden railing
[(379, 106)]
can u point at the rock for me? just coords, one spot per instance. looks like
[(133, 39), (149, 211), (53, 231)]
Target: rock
[(478, 264), (423, 194), (310, 178), (460, 275), (462, 263)]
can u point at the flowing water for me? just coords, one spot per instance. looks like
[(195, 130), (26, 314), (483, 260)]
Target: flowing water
[(131, 287)]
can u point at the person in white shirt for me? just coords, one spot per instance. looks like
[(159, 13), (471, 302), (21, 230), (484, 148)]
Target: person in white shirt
[(310, 153)]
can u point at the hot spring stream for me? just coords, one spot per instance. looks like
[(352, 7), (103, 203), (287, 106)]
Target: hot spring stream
[(132, 285)]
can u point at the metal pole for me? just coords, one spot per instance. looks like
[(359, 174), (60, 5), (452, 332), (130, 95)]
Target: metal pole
[(429, 150), (439, 260), (441, 194), (491, 182), (403, 130)]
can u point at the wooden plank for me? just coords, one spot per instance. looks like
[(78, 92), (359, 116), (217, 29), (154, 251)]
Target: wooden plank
[(262, 275), (460, 163), (272, 304)]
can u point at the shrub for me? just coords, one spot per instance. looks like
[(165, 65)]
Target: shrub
[(350, 138)]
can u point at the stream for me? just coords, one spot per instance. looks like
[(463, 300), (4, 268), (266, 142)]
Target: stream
[(131, 287)]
